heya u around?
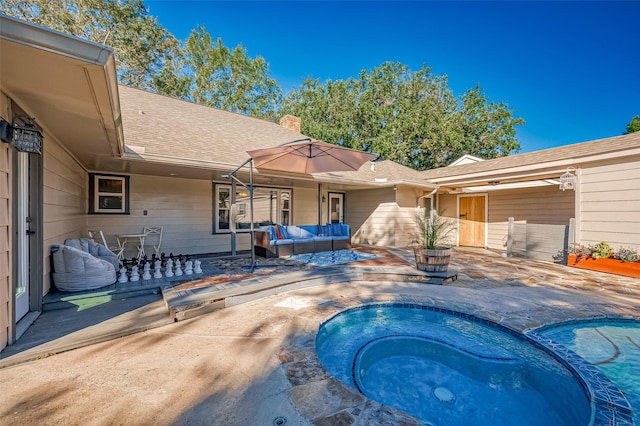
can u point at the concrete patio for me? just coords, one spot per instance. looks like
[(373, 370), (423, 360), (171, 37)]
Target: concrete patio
[(253, 362)]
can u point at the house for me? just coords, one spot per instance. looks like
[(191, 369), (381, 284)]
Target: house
[(119, 159), (602, 204)]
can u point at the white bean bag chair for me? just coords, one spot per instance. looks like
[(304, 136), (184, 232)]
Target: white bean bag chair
[(78, 270)]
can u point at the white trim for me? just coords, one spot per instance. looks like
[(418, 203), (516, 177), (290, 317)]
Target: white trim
[(97, 194), (226, 187), (49, 40), (530, 170)]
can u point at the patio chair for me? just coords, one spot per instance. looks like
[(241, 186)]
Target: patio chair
[(155, 232), (82, 264), (98, 237)]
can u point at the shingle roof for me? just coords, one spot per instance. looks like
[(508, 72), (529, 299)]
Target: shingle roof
[(171, 127), (383, 172), (574, 152)]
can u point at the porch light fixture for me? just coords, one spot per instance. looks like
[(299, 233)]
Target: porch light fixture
[(27, 137), (5, 131), (568, 180)]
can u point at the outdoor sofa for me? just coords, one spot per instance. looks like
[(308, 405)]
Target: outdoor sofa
[(281, 241), (82, 264)]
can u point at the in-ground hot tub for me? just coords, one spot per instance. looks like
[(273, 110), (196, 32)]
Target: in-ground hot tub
[(448, 368)]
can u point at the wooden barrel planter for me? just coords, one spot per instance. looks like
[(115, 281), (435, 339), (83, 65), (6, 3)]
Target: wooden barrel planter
[(432, 260)]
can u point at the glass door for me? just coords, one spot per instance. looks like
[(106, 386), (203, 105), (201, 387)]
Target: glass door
[(23, 233), (336, 207)]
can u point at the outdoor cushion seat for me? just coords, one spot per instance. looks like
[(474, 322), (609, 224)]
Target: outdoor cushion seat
[(75, 269), (280, 241), (94, 249)]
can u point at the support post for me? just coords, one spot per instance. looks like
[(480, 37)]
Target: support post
[(510, 236)]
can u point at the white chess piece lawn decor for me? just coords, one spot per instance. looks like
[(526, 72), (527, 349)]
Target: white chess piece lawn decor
[(135, 275), (178, 268), (169, 271), (146, 275), (157, 273), (123, 275), (188, 269), (197, 269)]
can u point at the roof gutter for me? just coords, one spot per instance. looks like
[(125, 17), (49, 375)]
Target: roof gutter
[(46, 39)]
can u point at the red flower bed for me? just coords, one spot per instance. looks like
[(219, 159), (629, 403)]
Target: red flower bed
[(613, 266)]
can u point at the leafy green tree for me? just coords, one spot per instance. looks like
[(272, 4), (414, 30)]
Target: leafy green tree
[(489, 128), (634, 125), (409, 117), (143, 48), (228, 78)]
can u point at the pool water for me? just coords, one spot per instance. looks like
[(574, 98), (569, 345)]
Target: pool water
[(448, 369), (611, 345)]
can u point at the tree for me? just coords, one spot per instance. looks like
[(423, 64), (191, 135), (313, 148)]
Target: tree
[(634, 125), (142, 46), (409, 117), (228, 78)]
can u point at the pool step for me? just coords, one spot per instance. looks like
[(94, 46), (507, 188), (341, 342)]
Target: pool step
[(188, 303)]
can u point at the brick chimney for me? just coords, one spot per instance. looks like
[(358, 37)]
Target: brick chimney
[(291, 122)]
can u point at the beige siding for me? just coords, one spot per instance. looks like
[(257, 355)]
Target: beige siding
[(610, 203), (407, 200), (6, 309), (447, 205), (532, 206), (183, 207), (372, 216), (64, 201), (305, 206)]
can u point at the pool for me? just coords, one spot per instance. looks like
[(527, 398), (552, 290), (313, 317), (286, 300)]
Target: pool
[(612, 345), (449, 368)]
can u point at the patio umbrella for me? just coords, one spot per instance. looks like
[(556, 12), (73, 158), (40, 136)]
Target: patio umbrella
[(307, 156), (310, 157)]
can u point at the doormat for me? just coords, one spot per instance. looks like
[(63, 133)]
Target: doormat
[(330, 258)]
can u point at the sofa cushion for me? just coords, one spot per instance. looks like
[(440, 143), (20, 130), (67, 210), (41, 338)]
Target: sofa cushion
[(297, 233), (323, 238), (336, 229), (282, 242), (324, 230)]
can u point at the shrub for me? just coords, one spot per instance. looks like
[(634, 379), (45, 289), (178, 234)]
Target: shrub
[(602, 250), (432, 229), (581, 252), (626, 255)]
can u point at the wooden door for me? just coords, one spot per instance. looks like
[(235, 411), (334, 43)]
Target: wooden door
[(472, 221)]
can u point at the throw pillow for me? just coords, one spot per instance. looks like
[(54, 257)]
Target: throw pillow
[(278, 233), (283, 232), (336, 229)]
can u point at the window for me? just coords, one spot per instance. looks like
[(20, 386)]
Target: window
[(108, 194), (269, 204)]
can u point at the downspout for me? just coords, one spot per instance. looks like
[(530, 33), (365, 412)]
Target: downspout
[(429, 195)]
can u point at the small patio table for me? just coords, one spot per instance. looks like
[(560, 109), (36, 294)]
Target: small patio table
[(122, 241)]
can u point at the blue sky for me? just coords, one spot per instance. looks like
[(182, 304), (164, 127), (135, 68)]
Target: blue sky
[(570, 69)]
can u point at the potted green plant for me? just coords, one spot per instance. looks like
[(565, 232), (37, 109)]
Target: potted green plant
[(432, 248)]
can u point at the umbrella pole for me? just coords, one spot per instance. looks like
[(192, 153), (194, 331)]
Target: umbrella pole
[(234, 179), (253, 250), (319, 204)]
